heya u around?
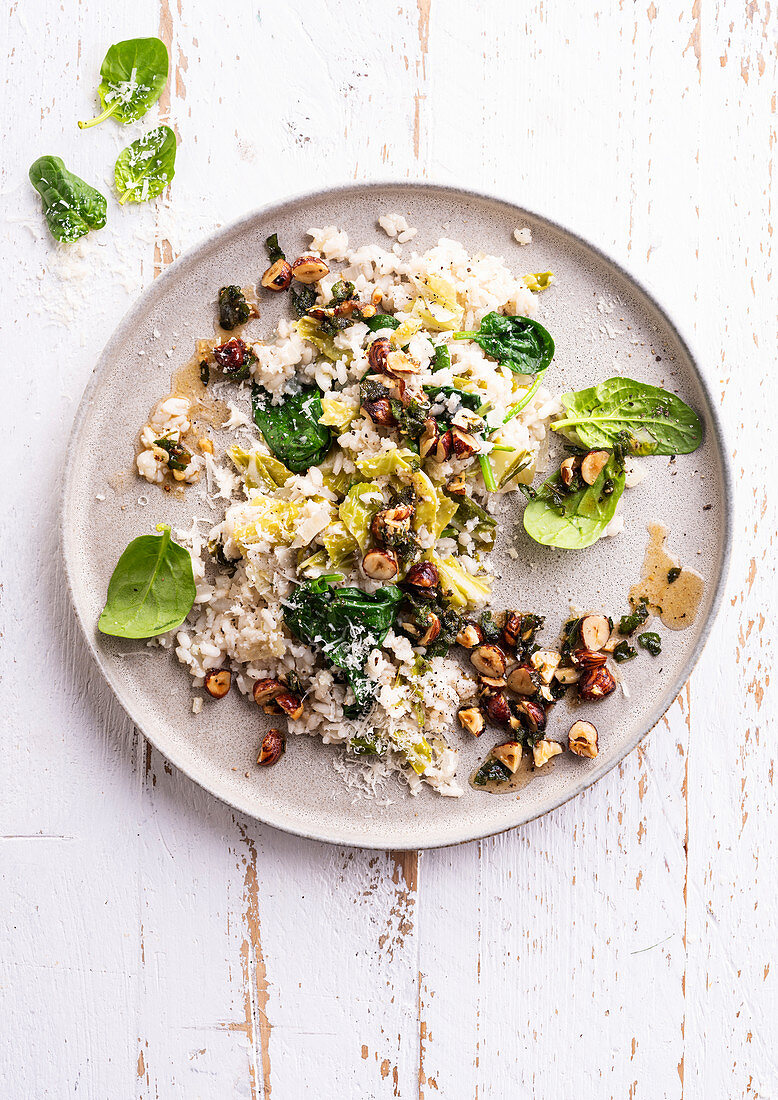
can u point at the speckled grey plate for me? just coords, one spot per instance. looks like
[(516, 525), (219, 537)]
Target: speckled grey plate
[(603, 323)]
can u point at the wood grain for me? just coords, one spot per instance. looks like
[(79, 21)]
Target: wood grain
[(155, 944)]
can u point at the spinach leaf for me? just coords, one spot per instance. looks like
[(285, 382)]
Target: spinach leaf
[(292, 430), (574, 520), (646, 419), (71, 206), (381, 320), (152, 588), (345, 624), (133, 74), (145, 168), (519, 343)]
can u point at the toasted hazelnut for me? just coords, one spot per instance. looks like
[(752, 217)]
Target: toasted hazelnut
[(542, 752), (524, 680), (390, 522), (217, 682), (456, 487), (546, 661), (380, 412), (593, 464), (265, 691), (472, 720), (380, 565), (585, 658), (491, 683), (443, 448), (596, 683), (567, 675), (582, 739), (422, 575), (272, 748), (595, 631), (432, 629), (511, 629), (377, 354), (532, 715), (205, 445), (497, 709), (462, 443), (428, 440), (568, 471), (508, 754), (309, 269), (399, 362), (278, 276), (470, 636), (489, 660), (290, 705)]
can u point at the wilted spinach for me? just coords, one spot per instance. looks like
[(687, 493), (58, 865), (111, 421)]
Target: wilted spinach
[(574, 520), (303, 299), (145, 168), (485, 529), (624, 652), (345, 624), (152, 588), (646, 419), (441, 360), (292, 430), (650, 641), (381, 320), (470, 401), (628, 624), (234, 310), (273, 249), (133, 74), (519, 343), (71, 206)]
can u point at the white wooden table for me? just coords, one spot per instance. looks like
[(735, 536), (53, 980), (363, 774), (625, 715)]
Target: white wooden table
[(155, 944)]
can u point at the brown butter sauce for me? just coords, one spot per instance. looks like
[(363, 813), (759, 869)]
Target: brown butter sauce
[(676, 602)]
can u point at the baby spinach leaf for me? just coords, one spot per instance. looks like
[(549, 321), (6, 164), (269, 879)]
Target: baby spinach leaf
[(292, 430), (345, 624), (145, 168), (71, 206), (574, 520), (152, 588), (519, 343), (646, 419), (133, 74)]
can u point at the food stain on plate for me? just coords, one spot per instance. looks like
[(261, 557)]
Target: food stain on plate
[(672, 591)]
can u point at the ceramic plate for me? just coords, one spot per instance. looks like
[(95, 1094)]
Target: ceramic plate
[(603, 323)]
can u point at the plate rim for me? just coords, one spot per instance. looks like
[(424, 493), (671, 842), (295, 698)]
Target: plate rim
[(714, 424)]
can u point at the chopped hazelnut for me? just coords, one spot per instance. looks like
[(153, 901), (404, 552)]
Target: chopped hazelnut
[(217, 682), (508, 754), (272, 748), (544, 750), (582, 739)]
